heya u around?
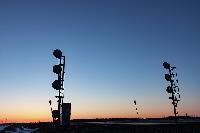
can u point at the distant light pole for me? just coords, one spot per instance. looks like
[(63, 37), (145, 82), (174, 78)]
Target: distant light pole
[(135, 104), (173, 88)]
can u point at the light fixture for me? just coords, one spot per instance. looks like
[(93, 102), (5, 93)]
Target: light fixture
[(168, 77), (57, 53), (56, 84), (169, 89), (166, 65), (57, 69)]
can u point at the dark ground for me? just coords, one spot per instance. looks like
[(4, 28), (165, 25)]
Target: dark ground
[(123, 128), (115, 126)]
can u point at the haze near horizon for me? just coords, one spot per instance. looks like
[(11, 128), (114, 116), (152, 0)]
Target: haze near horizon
[(114, 53)]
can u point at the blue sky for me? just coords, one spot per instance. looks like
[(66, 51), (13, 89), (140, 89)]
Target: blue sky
[(114, 50)]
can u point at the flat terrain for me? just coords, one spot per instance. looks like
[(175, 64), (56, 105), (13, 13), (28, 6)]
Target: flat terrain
[(107, 127)]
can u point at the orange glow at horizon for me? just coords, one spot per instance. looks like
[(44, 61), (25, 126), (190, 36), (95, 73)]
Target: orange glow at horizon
[(43, 114), (23, 112), (27, 118)]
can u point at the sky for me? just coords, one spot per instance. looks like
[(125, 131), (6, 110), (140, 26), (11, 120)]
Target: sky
[(114, 53)]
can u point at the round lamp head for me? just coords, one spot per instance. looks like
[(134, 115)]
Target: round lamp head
[(56, 84), (57, 69), (169, 89), (168, 77), (166, 65), (57, 53)]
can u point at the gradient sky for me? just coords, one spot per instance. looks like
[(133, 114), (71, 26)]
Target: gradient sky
[(114, 50)]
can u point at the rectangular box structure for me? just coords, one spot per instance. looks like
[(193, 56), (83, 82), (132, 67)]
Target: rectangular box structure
[(65, 114)]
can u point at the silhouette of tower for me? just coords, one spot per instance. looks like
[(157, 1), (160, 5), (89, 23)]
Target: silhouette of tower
[(61, 116), (173, 88), (135, 104)]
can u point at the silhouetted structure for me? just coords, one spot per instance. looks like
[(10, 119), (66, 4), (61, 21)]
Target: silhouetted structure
[(66, 112), (61, 116), (173, 88), (135, 104)]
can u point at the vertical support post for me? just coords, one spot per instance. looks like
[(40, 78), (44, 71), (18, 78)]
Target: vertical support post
[(59, 96), (173, 98)]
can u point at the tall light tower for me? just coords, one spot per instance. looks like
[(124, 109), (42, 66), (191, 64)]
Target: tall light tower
[(58, 84), (173, 88)]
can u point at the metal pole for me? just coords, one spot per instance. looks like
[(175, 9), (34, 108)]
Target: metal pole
[(63, 70), (59, 97), (171, 82)]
